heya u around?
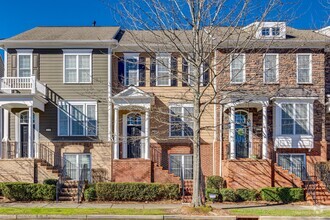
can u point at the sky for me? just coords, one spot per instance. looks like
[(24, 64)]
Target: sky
[(21, 15)]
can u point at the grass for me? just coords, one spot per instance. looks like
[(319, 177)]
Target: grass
[(80, 211), (280, 212)]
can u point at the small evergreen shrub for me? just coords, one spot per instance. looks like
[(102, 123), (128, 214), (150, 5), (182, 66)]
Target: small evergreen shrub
[(213, 191), (247, 194), (90, 193), (297, 194), (282, 194), (215, 182), (136, 191), (228, 195)]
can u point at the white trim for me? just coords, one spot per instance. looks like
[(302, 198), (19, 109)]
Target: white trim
[(277, 68), (310, 68), (110, 122), (182, 162), (77, 53), (5, 74), (84, 104), (201, 77), (125, 135), (167, 56), (182, 106), (243, 69), (132, 56), (78, 165), (21, 52)]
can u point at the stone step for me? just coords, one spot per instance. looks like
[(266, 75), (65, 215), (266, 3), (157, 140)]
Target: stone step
[(67, 198)]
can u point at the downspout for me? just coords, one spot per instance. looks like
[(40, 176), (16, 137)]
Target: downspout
[(221, 139), (215, 113)]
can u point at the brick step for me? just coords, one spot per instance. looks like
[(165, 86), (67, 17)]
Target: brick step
[(67, 198), (187, 199)]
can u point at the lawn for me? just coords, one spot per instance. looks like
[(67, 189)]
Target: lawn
[(80, 211), (280, 212)]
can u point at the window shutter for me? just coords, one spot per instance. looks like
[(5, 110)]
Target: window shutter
[(152, 71), (184, 72), (121, 69), (174, 71), (142, 71), (206, 73)]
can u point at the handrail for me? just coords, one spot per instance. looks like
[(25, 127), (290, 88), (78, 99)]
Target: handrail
[(311, 182), (66, 172), (9, 84), (83, 177)]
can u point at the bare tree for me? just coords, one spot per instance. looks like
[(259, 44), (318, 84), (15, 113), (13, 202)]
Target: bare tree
[(195, 30)]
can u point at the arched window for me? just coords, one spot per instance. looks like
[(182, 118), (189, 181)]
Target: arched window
[(24, 117), (134, 119)]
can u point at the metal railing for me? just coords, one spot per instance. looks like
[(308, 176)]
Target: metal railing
[(67, 170), (251, 150), (83, 178), (310, 178), (322, 172), (9, 84), (13, 150)]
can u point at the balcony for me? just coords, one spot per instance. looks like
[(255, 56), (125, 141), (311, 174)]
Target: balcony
[(19, 84)]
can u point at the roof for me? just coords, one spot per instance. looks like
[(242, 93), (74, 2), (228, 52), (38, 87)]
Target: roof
[(67, 33)]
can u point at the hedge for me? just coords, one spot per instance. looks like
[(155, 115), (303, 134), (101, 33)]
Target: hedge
[(136, 191), (228, 195), (28, 191), (213, 191), (50, 181), (90, 193), (215, 182), (247, 194), (282, 194)]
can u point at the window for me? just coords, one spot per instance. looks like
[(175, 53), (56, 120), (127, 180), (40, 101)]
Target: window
[(131, 70), (77, 118), (265, 31), (271, 68), (276, 31), (191, 75), (295, 119), (181, 123), (163, 70), (294, 163), (182, 165), (24, 60), (76, 163), (237, 68), (304, 70), (77, 66)]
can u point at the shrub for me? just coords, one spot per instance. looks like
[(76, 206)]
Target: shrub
[(29, 191), (136, 191), (282, 194), (215, 182), (247, 194), (228, 195), (90, 193), (213, 191), (50, 182)]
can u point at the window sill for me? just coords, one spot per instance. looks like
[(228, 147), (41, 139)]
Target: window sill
[(270, 83), (305, 83)]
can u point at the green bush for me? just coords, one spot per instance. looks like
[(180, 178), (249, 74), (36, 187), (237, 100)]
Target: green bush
[(213, 191), (50, 182), (136, 191), (247, 194), (90, 193), (282, 194), (215, 182), (228, 195), (28, 191)]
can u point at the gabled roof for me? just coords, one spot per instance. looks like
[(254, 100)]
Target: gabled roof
[(132, 92)]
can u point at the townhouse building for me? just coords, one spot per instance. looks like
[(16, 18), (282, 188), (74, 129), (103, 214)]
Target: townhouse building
[(91, 98)]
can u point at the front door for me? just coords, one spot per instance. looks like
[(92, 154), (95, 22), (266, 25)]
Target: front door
[(77, 165), (241, 134), (24, 140), (134, 128)]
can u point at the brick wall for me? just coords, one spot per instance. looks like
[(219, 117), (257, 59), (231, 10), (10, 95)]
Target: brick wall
[(131, 170)]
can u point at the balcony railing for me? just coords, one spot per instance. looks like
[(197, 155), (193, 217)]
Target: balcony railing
[(10, 84)]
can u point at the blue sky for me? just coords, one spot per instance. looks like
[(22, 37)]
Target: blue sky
[(20, 15)]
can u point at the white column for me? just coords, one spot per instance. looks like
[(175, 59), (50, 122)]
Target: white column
[(1, 130), (5, 137), (264, 132), (30, 133), (147, 135), (232, 133), (116, 135)]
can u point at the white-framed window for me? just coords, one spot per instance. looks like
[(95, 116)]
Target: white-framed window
[(77, 66), (131, 69), (276, 31), (181, 120), (24, 63), (77, 118), (304, 68), (295, 163), (295, 119), (191, 75), (181, 165), (271, 68), (270, 31), (163, 70), (237, 68), (265, 31)]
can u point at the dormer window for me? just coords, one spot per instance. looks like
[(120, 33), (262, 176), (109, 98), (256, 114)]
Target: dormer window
[(276, 31), (270, 31), (265, 31)]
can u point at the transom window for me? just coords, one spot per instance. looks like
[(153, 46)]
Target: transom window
[(24, 60), (131, 70), (163, 70), (78, 66), (77, 118), (304, 70), (271, 68), (181, 120), (295, 119), (237, 68)]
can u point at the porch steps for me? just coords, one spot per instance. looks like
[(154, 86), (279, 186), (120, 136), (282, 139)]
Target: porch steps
[(51, 170), (162, 175), (69, 191), (322, 194), (287, 177), (188, 191)]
